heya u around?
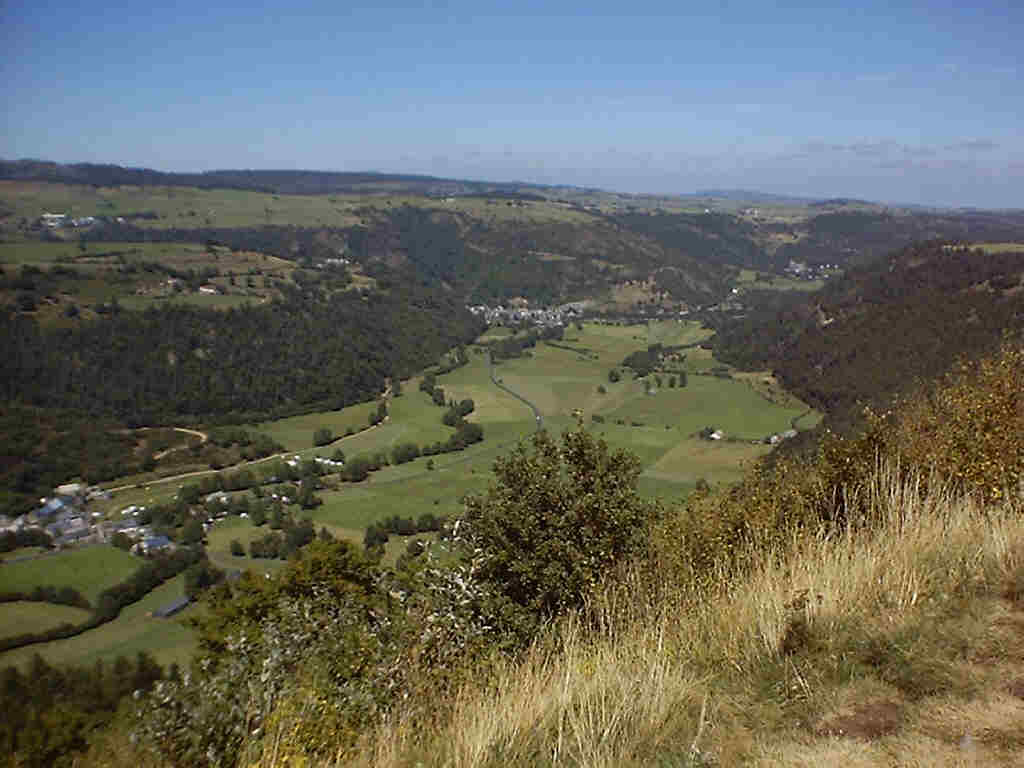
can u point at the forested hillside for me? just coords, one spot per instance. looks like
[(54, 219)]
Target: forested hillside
[(304, 352), (481, 258), (856, 237), (879, 328)]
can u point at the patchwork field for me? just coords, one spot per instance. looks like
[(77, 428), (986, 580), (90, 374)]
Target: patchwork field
[(561, 382), (564, 381), (75, 279), (188, 207), (168, 640)]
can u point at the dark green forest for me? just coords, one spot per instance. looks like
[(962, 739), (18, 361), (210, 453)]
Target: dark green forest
[(306, 351), (880, 328)]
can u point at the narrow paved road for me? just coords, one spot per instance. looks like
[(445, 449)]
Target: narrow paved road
[(536, 413)]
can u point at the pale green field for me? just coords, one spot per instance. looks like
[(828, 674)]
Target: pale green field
[(752, 280), (497, 332), (725, 404), (716, 462), (103, 255), (133, 631), (218, 545), (560, 381), (22, 617), (1000, 247), (809, 420), (90, 570), (296, 433), (676, 332), (190, 207), (177, 206), (219, 537)]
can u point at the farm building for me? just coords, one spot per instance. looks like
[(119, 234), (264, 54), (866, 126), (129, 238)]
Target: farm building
[(166, 611), (152, 544), (52, 508)]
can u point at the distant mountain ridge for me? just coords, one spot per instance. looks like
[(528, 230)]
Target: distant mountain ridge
[(290, 182)]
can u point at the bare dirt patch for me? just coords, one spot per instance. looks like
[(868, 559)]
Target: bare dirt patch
[(1016, 688), (870, 720)]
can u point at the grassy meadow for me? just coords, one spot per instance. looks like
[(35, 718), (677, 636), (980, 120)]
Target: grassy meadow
[(90, 570), (22, 617), (296, 433)]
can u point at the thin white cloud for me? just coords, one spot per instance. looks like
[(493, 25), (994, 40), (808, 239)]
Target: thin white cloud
[(974, 145)]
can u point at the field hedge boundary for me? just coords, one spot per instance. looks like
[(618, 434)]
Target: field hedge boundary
[(112, 600)]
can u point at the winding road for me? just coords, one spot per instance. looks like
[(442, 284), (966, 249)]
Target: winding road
[(536, 413)]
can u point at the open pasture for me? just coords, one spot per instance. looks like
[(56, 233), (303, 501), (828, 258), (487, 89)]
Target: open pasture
[(20, 617), (94, 256), (218, 545), (296, 433), (187, 207), (167, 640), (410, 490), (725, 404), (89, 569), (183, 207), (715, 461), (677, 332)]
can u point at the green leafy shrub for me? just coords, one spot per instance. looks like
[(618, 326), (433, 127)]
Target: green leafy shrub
[(556, 520)]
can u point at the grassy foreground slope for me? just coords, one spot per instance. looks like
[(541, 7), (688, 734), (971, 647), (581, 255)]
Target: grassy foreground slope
[(903, 647)]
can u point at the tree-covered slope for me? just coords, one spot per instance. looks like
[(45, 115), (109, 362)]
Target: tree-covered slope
[(879, 328), (304, 352)]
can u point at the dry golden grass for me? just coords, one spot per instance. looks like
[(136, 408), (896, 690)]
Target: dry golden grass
[(894, 647)]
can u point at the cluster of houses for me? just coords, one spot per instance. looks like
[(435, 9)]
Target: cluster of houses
[(62, 516), (803, 271), (65, 518), (716, 434), (55, 220), (780, 436), (520, 313)]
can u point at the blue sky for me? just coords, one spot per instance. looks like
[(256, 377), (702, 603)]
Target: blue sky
[(898, 101)]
